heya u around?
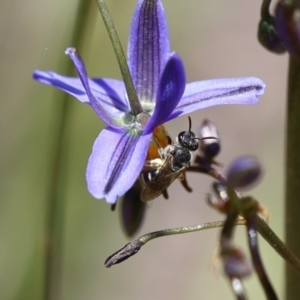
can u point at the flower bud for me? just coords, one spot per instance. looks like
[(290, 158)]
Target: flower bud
[(287, 21), (268, 37), (236, 264), (209, 147), (243, 172), (132, 210)]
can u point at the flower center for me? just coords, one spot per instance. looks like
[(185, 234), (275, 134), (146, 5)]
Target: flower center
[(142, 119), (136, 123)]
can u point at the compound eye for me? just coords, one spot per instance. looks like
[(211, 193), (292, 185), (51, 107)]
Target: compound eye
[(193, 146), (182, 137)]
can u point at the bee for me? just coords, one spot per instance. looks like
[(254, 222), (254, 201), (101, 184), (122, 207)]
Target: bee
[(159, 173), (161, 140)]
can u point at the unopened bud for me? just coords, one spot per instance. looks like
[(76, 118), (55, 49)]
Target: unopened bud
[(287, 21), (243, 172), (268, 37), (236, 264), (127, 251), (209, 147), (132, 210)]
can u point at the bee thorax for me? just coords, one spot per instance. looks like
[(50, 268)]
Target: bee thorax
[(181, 158)]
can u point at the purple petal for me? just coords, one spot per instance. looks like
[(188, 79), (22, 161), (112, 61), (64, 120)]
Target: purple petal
[(108, 92), (170, 90), (115, 163), (148, 47), (202, 94), (71, 85), (108, 114)]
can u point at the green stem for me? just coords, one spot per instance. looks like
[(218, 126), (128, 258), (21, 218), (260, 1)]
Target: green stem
[(292, 199), (256, 259), (264, 11), (186, 229), (275, 242), (262, 227), (55, 214), (135, 104)]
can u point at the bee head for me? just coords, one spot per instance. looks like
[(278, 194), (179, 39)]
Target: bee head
[(187, 139)]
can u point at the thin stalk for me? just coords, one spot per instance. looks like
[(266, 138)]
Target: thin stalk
[(262, 227), (227, 230), (135, 104), (186, 229), (264, 11), (256, 260), (292, 196), (134, 247), (55, 214), (277, 244)]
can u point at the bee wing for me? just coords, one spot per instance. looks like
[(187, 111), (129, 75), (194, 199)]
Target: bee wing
[(161, 182), (155, 188)]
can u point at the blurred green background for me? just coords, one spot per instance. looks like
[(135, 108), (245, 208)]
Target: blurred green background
[(215, 39)]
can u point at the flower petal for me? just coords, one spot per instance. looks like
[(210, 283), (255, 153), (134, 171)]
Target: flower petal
[(108, 114), (170, 90), (148, 47), (202, 94), (115, 163), (107, 91)]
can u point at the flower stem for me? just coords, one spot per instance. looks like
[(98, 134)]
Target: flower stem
[(279, 246), (264, 11), (257, 262), (262, 227), (135, 104), (186, 229), (265, 231), (292, 201), (55, 213), (134, 247)]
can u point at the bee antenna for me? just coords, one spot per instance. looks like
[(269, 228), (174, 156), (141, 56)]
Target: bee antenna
[(206, 138), (190, 123), (169, 140)]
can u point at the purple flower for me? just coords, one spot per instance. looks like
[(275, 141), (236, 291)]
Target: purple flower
[(158, 75)]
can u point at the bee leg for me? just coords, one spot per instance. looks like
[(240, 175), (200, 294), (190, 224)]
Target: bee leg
[(165, 194), (160, 149), (184, 182), (152, 164), (113, 206), (169, 140)]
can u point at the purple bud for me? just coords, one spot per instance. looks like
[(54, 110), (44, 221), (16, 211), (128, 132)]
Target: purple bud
[(132, 210), (209, 147), (287, 21), (236, 265), (243, 172), (268, 37)]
